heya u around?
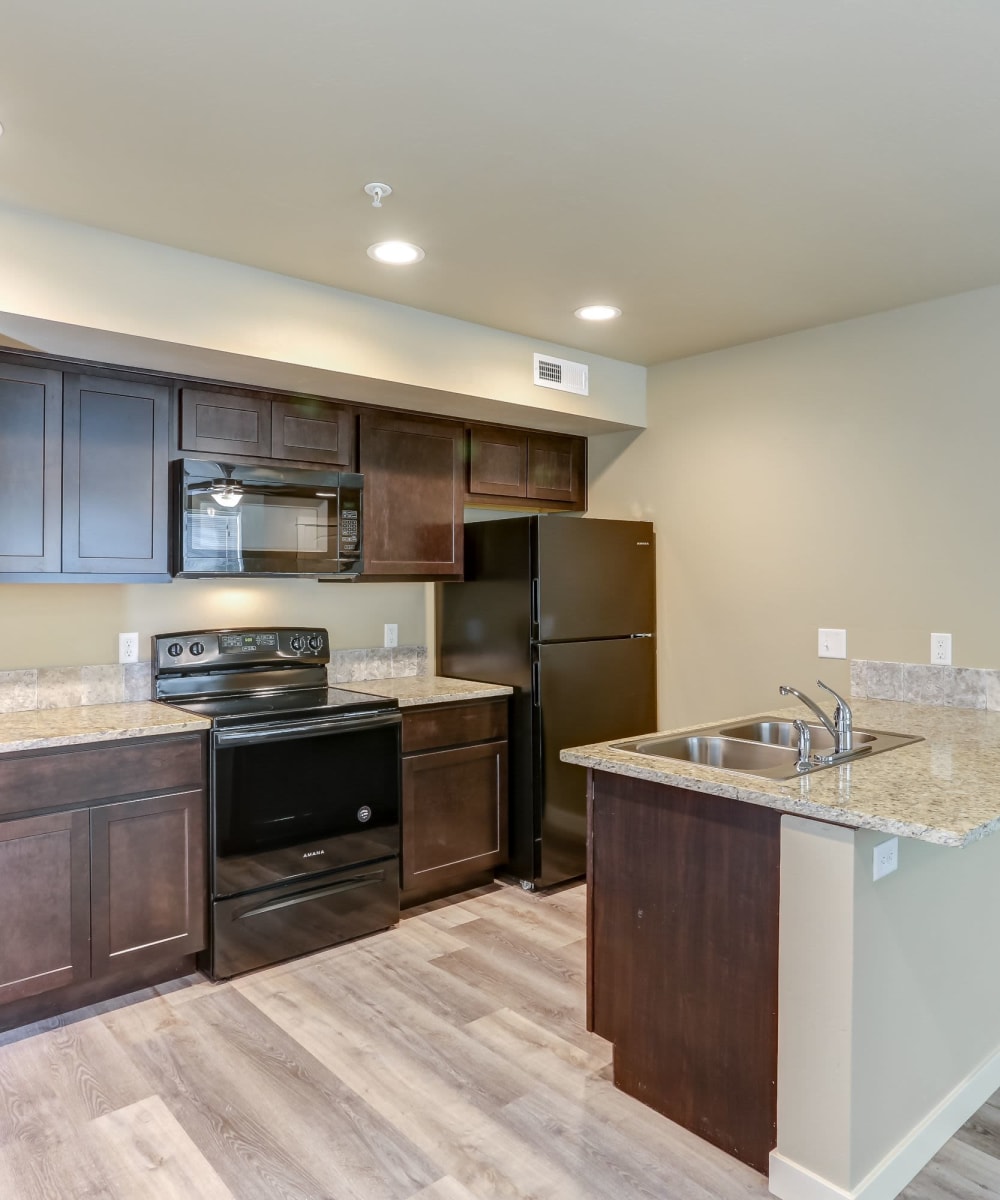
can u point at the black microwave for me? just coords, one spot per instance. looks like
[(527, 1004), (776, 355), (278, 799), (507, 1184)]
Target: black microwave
[(240, 520)]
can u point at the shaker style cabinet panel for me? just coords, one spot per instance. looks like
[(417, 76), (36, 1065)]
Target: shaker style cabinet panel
[(222, 423), (454, 813), (261, 426), (313, 431), (512, 465), (30, 468), (557, 468), (45, 899), (114, 476), (498, 461), (148, 882), (454, 806), (414, 489)]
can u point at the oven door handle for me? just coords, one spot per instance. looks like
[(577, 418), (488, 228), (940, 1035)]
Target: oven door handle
[(345, 885), (286, 731)]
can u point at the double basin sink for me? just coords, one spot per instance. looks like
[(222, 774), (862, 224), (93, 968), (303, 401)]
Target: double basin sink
[(766, 747)]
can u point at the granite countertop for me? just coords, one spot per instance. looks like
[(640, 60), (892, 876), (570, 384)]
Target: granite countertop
[(411, 690), (944, 790), (41, 728)]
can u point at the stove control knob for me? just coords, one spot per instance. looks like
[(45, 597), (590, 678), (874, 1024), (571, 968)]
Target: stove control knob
[(298, 643), (315, 642), (197, 648), (175, 649)]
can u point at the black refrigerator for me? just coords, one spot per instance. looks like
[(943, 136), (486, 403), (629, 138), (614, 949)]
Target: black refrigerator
[(563, 609)]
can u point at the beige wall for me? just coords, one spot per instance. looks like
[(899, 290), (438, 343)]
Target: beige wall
[(844, 477), (47, 625), (888, 1029), (60, 281)]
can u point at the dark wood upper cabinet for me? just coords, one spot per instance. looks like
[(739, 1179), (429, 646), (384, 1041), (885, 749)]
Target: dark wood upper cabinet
[(498, 461), (248, 423), (557, 468), (114, 476), (313, 431), (30, 468), (225, 423), (519, 465), (414, 486)]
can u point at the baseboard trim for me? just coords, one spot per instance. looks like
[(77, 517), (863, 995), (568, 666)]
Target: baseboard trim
[(790, 1180)]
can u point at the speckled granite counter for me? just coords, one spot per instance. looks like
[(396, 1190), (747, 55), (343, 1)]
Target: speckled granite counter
[(39, 729), (410, 690), (944, 790)]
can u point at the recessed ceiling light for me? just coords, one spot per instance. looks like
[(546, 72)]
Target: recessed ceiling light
[(398, 253), (598, 312)]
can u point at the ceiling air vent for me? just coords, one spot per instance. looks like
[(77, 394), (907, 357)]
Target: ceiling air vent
[(561, 374)]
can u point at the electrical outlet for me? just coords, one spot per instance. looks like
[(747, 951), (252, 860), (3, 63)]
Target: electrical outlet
[(128, 647), (941, 649), (833, 643), (886, 858), (391, 636)]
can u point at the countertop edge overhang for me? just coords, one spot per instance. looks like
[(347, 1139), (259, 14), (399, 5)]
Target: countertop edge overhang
[(944, 789), (45, 728)]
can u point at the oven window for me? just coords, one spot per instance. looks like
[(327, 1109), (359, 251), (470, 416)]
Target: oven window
[(284, 793)]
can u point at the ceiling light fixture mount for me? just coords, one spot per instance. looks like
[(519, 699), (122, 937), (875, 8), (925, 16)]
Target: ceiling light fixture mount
[(397, 253), (378, 192), (598, 312)]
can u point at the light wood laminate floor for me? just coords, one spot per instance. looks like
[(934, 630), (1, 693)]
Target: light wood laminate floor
[(444, 1060)]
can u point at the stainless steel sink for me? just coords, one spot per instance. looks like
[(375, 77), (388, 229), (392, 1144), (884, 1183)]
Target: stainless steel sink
[(784, 733), (731, 754), (767, 747)]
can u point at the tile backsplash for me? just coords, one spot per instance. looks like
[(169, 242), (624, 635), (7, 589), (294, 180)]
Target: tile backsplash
[(114, 683), (924, 683)]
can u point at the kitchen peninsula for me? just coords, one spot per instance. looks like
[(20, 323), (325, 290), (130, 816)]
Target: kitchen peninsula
[(828, 1028)]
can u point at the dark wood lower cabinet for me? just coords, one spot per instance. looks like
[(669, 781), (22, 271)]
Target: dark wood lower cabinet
[(99, 898), (454, 810), (683, 956), (148, 881), (45, 901)]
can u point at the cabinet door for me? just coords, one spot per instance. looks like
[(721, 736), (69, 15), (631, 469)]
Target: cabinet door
[(45, 900), (30, 468), (149, 887), (312, 431), (413, 495), (225, 423), (114, 476), (498, 461), (454, 813), (557, 468)]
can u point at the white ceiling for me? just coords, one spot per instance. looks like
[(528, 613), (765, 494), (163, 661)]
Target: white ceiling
[(722, 170)]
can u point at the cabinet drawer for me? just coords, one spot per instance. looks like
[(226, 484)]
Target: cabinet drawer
[(35, 781), (454, 725)]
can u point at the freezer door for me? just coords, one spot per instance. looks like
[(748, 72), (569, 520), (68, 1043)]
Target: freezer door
[(594, 578), (586, 692)]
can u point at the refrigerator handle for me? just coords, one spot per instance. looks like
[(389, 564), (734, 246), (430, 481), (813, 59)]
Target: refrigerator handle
[(534, 601), (536, 690)]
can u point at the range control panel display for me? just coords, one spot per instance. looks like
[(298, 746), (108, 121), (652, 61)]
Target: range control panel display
[(248, 641)]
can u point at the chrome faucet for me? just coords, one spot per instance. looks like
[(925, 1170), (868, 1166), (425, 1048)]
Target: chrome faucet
[(841, 728)]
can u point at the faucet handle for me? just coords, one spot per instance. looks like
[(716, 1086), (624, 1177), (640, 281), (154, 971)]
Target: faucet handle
[(844, 707)]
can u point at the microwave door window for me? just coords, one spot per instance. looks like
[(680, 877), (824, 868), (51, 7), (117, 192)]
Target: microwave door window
[(287, 525), (214, 538)]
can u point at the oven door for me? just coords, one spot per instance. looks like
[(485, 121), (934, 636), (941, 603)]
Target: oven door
[(292, 799)]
